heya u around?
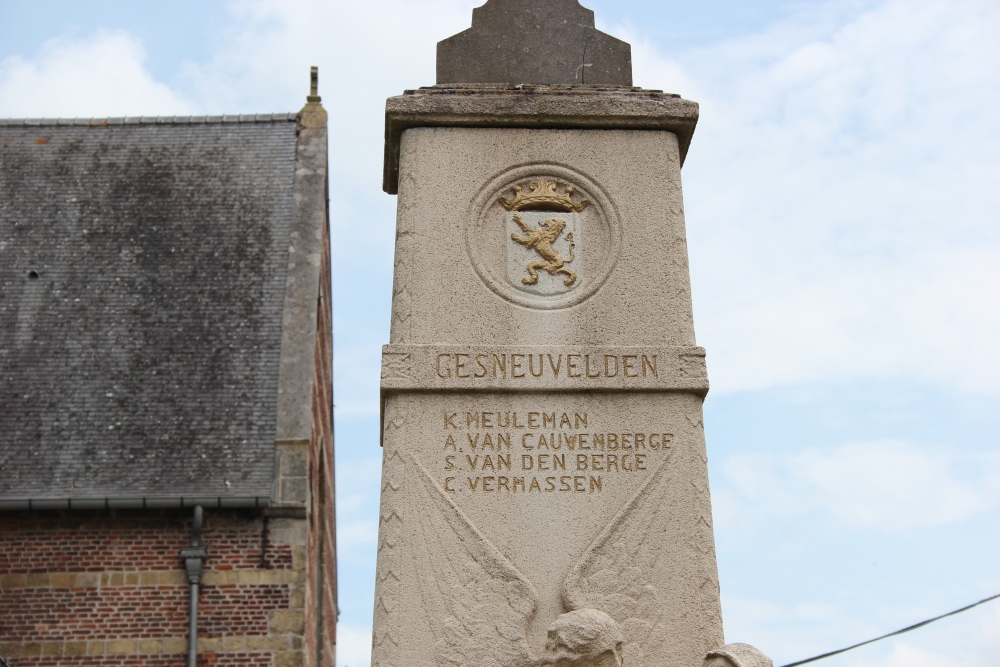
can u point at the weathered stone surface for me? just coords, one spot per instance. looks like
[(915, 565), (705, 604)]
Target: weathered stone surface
[(539, 107), (737, 655), (544, 486), (539, 500), (584, 638), (298, 335), (534, 41)]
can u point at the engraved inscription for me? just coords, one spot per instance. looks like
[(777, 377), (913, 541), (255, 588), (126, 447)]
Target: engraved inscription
[(481, 605), (541, 452), (518, 366), (543, 367)]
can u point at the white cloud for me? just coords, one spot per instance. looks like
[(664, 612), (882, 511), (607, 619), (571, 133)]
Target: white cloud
[(841, 194), (354, 533), (895, 483), (356, 478), (357, 519), (354, 645), (786, 631), (970, 639), (357, 370), (357, 502), (904, 655), (882, 484), (801, 630), (365, 52), (841, 187), (100, 76)]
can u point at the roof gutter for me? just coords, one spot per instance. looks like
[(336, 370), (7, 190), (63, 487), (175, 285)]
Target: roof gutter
[(133, 502)]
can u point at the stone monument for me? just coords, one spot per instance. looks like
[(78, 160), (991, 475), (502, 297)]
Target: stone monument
[(545, 493)]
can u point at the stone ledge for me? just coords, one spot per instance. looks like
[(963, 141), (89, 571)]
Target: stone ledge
[(543, 368), (151, 120), (537, 106), (287, 511), (262, 644), (149, 578)]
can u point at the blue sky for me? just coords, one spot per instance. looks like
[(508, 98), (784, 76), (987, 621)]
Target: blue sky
[(841, 191)]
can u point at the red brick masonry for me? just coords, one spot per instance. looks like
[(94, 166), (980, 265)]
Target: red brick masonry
[(108, 588)]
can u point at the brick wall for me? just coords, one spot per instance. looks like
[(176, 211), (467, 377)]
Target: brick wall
[(108, 588)]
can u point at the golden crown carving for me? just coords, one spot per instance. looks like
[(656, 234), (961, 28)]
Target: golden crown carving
[(543, 196)]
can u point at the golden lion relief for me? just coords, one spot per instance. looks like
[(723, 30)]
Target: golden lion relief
[(545, 195), (540, 240)]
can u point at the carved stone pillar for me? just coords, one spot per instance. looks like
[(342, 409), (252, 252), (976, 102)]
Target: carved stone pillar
[(545, 494)]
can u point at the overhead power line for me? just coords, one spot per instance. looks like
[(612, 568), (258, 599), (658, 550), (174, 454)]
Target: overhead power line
[(893, 634)]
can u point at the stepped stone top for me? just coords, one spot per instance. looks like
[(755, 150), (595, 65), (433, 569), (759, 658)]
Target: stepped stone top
[(534, 41)]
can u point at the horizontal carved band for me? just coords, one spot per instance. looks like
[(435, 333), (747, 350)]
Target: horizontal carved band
[(543, 368)]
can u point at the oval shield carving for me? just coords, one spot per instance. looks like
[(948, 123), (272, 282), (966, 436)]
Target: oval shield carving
[(542, 236)]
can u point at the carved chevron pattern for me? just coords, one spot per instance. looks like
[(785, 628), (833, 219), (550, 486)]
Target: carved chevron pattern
[(402, 301), (401, 307), (397, 366), (703, 537), (392, 517)]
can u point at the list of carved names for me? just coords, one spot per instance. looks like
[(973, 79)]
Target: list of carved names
[(542, 452)]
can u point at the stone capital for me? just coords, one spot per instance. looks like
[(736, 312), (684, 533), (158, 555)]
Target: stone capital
[(537, 107)]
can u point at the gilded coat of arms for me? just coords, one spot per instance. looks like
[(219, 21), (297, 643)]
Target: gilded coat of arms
[(542, 236), (544, 225)]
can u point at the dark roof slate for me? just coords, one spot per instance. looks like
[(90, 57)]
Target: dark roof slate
[(142, 280)]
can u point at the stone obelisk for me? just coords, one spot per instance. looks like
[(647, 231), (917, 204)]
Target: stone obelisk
[(545, 494)]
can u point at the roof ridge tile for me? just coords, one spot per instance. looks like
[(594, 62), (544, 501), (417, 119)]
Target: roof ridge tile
[(100, 121)]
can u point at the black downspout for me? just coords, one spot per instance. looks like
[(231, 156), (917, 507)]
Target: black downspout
[(194, 558)]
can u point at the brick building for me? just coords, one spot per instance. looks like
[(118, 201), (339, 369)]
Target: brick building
[(165, 362)]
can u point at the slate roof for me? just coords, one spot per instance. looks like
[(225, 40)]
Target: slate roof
[(143, 265)]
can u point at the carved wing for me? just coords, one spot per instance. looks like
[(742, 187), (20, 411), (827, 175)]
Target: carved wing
[(479, 604), (613, 575)]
